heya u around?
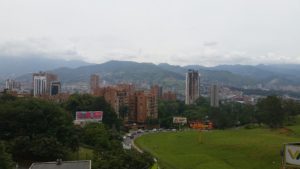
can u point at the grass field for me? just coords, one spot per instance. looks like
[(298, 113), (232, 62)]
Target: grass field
[(82, 154), (155, 166), (226, 149)]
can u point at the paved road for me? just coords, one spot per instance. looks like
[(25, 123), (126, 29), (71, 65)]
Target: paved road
[(128, 139)]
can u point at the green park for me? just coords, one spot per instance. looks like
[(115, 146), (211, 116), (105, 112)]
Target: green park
[(247, 137), (223, 149)]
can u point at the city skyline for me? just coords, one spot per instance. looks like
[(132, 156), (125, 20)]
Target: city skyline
[(133, 84)]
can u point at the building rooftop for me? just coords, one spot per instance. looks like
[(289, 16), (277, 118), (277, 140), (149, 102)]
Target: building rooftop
[(86, 164)]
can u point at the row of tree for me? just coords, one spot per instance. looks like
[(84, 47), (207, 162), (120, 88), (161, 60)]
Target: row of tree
[(272, 111)]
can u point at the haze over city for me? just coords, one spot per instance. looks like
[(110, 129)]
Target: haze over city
[(174, 31)]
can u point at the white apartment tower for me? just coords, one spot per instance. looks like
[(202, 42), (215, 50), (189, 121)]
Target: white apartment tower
[(192, 86), (12, 85), (42, 82)]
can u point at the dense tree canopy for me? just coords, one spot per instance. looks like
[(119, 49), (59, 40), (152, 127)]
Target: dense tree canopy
[(36, 130), (227, 115), (271, 110), (39, 130), (5, 158)]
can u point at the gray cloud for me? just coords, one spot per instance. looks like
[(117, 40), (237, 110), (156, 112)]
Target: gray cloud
[(174, 31), (38, 47)]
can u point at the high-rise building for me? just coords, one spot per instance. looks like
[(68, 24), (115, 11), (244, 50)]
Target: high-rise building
[(214, 96), (146, 106), (152, 107), (94, 83), (192, 86), (55, 88), (157, 91), (12, 85), (130, 105), (117, 97), (42, 83)]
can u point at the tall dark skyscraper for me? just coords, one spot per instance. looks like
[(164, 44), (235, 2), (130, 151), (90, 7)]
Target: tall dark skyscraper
[(214, 96), (192, 86), (55, 88)]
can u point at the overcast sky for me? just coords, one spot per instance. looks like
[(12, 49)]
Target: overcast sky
[(205, 32)]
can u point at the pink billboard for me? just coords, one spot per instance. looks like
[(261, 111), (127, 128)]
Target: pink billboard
[(89, 115)]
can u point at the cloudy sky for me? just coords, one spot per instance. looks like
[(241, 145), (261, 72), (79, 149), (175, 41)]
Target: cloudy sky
[(205, 32)]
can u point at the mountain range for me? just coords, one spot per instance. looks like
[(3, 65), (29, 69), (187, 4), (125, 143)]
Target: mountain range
[(12, 67), (281, 77)]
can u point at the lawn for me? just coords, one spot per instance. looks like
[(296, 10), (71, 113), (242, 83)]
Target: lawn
[(82, 154), (155, 166), (219, 149)]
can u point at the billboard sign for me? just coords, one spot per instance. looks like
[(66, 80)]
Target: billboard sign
[(179, 120), (89, 116), (291, 155)]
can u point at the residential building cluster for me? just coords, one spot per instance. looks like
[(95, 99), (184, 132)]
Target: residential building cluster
[(47, 86), (229, 95), (15, 88), (12, 85), (132, 105)]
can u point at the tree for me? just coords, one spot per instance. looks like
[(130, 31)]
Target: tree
[(5, 158), (108, 150), (6, 98), (37, 130), (86, 102), (166, 111), (270, 111), (291, 108), (95, 134)]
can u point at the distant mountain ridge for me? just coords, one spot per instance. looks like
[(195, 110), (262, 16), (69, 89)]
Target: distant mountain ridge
[(11, 67), (283, 74), (272, 76)]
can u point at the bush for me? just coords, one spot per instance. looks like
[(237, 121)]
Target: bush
[(252, 126)]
